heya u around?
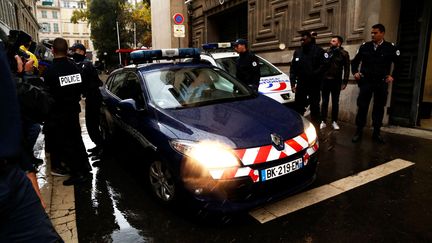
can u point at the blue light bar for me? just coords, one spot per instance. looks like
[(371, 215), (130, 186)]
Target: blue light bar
[(219, 45), (177, 53)]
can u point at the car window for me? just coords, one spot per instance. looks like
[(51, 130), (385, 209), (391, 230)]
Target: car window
[(229, 64), (175, 88), (115, 83), (267, 69), (131, 89)]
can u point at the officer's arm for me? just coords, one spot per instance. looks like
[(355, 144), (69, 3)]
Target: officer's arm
[(355, 63), (346, 67), (395, 60), (321, 65), (293, 70), (94, 74), (256, 70)]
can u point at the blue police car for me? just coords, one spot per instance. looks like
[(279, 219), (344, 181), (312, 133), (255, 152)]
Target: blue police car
[(206, 134)]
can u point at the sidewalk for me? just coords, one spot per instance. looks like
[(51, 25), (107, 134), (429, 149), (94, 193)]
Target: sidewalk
[(60, 200)]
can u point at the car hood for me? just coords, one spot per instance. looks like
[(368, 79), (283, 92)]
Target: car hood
[(239, 124)]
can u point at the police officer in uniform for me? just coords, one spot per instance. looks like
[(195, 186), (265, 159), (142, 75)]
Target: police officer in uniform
[(306, 75), (337, 62), (93, 96), (62, 128), (248, 70), (376, 58)]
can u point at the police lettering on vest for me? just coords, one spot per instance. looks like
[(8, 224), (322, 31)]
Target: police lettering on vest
[(70, 79)]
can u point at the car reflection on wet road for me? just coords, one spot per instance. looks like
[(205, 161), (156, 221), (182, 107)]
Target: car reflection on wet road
[(118, 207)]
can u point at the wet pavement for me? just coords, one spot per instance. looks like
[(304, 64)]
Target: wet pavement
[(116, 206)]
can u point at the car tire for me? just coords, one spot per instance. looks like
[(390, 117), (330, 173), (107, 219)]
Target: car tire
[(162, 181)]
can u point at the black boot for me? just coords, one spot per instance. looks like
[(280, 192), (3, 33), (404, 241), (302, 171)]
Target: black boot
[(358, 135), (376, 136)]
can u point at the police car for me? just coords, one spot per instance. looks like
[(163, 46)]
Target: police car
[(207, 135), (273, 83)]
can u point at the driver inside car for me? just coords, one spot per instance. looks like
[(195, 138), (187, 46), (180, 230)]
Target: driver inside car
[(191, 86)]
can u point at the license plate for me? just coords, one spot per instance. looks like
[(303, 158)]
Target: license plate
[(281, 170)]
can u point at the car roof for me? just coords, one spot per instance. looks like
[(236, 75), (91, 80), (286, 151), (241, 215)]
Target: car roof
[(165, 65), (218, 55)]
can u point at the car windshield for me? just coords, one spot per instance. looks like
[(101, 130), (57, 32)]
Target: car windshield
[(229, 64), (176, 87)]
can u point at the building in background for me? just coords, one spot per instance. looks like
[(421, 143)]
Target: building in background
[(55, 18), (273, 30), (19, 14), (48, 15)]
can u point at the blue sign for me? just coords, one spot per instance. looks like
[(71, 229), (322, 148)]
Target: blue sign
[(178, 18)]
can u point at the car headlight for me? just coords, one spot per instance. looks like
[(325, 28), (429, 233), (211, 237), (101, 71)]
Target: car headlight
[(210, 154), (310, 131)]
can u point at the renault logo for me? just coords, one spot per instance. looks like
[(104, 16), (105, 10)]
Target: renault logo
[(277, 141)]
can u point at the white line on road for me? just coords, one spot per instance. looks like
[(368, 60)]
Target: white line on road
[(277, 209)]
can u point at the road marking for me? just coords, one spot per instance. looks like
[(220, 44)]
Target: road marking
[(277, 209)]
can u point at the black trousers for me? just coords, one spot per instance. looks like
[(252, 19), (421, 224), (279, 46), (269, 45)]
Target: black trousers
[(333, 87), (92, 117), (308, 96), (368, 89), (63, 134)]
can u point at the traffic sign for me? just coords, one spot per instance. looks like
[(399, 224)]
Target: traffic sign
[(179, 30), (178, 18)]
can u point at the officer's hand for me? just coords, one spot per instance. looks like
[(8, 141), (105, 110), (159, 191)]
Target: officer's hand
[(357, 76), (389, 79), (343, 86), (293, 89)]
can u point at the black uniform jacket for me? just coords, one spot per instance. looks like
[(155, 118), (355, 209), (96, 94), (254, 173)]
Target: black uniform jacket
[(375, 64), (307, 66), (91, 81), (248, 69), (64, 82)]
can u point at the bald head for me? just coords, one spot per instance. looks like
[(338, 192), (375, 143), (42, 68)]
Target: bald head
[(60, 47)]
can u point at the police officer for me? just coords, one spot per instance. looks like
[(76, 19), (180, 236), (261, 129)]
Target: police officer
[(376, 58), (337, 62), (306, 75), (63, 129), (248, 69), (93, 96)]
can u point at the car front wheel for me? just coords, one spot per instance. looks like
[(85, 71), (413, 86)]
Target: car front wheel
[(162, 181)]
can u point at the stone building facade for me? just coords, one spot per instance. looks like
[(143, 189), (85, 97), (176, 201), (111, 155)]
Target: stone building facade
[(19, 14), (273, 28)]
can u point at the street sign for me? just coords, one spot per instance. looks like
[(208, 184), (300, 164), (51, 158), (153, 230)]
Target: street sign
[(178, 18), (179, 30)]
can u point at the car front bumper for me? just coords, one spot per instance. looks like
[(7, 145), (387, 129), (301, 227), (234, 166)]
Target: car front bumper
[(245, 192)]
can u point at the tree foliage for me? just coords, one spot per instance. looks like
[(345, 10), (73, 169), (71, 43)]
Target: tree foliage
[(102, 16), (140, 15)]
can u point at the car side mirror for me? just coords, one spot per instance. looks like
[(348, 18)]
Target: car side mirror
[(129, 105)]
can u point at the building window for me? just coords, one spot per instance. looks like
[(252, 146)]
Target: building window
[(81, 5), (56, 28), (86, 44), (44, 14), (46, 27), (66, 4), (78, 41), (54, 14)]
